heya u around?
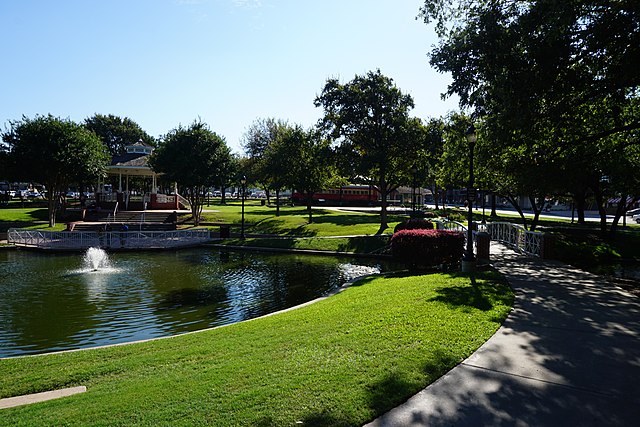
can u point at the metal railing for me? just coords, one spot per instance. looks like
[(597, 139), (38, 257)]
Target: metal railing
[(445, 224), (183, 201), (512, 235), (515, 236), (80, 240)]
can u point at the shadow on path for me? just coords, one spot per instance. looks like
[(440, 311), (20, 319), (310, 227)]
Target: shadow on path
[(568, 354)]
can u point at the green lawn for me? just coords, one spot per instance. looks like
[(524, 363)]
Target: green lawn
[(338, 362), (29, 217), (293, 221)]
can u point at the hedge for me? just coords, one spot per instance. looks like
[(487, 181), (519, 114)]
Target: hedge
[(425, 248), (414, 224)]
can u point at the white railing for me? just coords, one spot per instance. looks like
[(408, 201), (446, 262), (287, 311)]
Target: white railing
[(512, 235), (80, 240), (445, 224), (184, 201), (515, 236)]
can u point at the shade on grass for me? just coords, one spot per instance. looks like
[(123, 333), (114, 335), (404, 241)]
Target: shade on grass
[(338, 362), (293, 220), (357, 245)]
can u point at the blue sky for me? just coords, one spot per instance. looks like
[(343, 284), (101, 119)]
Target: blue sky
[(228, 62)]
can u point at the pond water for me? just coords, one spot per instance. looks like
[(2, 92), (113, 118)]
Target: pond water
[(51, 302)]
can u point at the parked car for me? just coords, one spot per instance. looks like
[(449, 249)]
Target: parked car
[(34, 194)]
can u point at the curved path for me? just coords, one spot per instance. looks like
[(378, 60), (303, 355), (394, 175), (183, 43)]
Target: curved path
[(567, 355)]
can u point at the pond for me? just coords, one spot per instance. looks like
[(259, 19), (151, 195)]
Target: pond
[(53, 302)]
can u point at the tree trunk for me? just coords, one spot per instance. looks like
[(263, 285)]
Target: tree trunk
[(602, 211), (383, 207), (309, 211), (277, 202), (436, 197), (536, 212), (51, 205), (494, 214), (516, 206), (623, 207), (581, 202)]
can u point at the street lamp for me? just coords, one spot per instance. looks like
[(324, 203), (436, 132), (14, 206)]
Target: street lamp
[(469, 260), (414, 170), (243, 181)]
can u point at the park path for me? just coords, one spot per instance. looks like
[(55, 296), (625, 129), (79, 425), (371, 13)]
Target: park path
[(567, 355)]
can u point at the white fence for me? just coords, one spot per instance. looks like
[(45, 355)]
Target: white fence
[(79, 240), (515, 236), (446, 224), (512, 235)]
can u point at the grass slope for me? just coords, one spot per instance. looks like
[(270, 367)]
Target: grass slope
[(338, 362)]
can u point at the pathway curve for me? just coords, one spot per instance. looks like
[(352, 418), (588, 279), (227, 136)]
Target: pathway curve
[(567, 355)]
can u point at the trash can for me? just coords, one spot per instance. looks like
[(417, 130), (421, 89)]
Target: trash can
[(483, 243), (225, 231)]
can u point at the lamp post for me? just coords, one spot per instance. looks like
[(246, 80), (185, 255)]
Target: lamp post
[(414, 170), (469, 260), (243, 181)]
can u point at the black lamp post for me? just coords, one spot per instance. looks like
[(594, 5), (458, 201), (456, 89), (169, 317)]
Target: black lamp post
[(469, 260), (243, 181), (414, 170)]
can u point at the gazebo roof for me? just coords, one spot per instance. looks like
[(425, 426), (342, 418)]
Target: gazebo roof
[(134, 161)]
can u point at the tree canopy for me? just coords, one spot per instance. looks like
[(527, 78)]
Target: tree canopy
[(54, 152), (117, 132), (554, 85), (369, 119), (195, 158)]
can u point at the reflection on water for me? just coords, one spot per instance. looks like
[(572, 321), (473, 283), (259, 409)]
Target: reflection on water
[(53, 302)]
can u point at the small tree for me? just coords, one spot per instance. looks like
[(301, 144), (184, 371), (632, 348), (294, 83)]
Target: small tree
[(194, 158), (311, 166), (54, 152)]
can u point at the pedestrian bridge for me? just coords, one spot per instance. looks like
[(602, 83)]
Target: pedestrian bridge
[(514, 236), (112, 240)]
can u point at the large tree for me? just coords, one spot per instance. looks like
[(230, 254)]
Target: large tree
[(369, 117), (195, 158), (555, 84), (117, 132), (54, 152)]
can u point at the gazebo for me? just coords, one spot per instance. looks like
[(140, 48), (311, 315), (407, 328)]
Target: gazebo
[(134, 163)]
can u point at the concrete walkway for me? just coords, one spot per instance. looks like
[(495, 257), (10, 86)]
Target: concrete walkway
[(567, 355)]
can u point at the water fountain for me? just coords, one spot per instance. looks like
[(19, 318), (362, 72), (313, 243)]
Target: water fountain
[(95, 259)]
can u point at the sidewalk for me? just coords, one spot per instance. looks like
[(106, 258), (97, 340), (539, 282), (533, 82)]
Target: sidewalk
[(567, 355)]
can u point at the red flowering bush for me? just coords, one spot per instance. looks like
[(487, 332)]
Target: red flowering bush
[(424, 248)]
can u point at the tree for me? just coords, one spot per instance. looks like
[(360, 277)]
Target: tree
[(229, 167), (578, 103), (117, 132), (369, 117), (268, 167), (310, 161), (54, 152), (195, 158)]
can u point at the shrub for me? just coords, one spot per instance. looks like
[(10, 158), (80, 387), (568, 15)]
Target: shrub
[(414, 224), (423, 248)]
